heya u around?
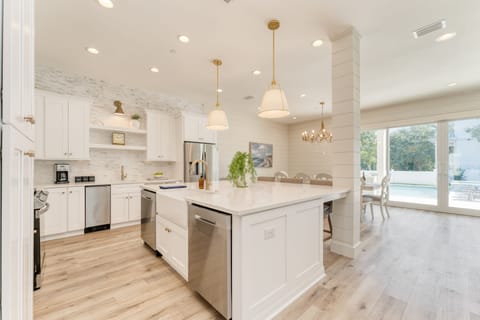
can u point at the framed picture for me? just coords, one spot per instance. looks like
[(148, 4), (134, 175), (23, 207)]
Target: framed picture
[(118, 138), (262, 154)]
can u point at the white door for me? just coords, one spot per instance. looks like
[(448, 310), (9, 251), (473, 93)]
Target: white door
[(76, 208), (17, 224), (119, 210), (54, 221), (190, 127), (39, 126), (78, 130), (134, 206), (28, 81), (163, 245), (178, 249), (56, 135)]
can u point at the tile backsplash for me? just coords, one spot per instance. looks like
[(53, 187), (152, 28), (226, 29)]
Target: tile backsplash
[(105, 164)]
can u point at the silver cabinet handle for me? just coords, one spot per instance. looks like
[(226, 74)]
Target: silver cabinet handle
[(198, 218), (30, 119)]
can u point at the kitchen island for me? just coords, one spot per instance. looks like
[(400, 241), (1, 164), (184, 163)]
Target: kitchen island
[(276, 239)]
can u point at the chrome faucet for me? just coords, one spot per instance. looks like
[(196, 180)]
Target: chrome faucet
[(123, 173), (207, 182)]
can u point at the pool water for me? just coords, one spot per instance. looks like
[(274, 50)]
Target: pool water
[(413, 193)]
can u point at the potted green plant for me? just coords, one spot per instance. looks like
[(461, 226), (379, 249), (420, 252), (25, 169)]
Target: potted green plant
[(241, 165), (135, 123)]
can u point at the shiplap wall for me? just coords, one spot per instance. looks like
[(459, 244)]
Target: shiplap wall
[(309, 158), (246, 127)]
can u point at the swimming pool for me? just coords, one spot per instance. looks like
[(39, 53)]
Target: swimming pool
[(422, 194)]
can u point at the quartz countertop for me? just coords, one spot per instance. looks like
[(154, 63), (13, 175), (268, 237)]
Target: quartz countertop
[(100, 182), (257, 197)]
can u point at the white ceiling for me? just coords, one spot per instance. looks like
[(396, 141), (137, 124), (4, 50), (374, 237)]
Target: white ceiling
[(138, 34)]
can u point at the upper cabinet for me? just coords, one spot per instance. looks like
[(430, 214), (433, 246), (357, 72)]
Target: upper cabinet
[(161, 136), (18, 75), (62, 127), (194, 129)]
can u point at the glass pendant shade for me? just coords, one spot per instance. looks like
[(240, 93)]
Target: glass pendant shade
[(217, 120), (274, 104)]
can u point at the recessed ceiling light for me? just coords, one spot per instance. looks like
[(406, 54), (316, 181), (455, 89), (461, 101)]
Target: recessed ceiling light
[(92, 50), (452, 84), (154, 69), (106, 3), (183, 38), (294, 118), (446, 36), (256, 72), (303, 95), (219, 90), (317, 43)]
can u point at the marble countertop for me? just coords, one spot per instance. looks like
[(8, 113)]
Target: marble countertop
[(257, 197), (96, 183)]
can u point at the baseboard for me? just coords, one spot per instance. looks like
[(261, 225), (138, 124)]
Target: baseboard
[(345, 249), (125, 224)]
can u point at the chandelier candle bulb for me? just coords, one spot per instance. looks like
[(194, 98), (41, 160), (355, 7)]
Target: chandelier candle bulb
[(322, 135)]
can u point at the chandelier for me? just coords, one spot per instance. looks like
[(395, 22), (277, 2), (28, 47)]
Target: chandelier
[(318, 137)]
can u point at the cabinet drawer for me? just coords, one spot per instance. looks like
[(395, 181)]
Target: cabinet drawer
[(129, 188), (173, 210)]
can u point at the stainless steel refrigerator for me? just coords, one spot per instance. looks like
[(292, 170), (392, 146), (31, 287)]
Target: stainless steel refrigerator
[(200, 151)]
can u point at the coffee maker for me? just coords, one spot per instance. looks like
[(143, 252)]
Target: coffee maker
[(61, 171)]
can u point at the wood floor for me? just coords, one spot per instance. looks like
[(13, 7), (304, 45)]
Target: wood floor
[(416, 265)]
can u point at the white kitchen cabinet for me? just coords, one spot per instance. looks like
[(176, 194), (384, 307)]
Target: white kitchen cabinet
[(161, 136), (54, 221), (18, 74), (172, 243), (66, 213), (194, 129), (62, 127), (17, 224), (76, 208), (125, 203)]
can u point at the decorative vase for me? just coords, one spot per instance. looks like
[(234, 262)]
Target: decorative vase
[(241, 182), (135, 124)]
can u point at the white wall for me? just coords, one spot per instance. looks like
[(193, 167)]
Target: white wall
[(309, 158), (246, 127)]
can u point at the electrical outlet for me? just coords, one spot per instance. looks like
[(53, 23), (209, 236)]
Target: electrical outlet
[(268, 233)]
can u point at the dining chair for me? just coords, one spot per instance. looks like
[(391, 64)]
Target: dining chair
[(291, 180), (380, 199), (327, 207), (305, 177), (270, 179), (280, 174)]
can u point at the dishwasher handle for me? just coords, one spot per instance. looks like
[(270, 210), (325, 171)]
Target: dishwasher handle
[(146, 198), (199, 218)]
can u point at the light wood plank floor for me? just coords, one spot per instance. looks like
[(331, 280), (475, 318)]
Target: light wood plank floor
[(416, 265)]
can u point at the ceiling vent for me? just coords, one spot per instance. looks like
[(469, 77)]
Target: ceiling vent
[(442, 24)]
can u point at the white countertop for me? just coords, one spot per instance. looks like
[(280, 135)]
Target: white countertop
[(116, 182), (257, 197)]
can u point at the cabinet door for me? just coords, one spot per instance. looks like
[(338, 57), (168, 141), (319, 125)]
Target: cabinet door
[(56, 121), (119, 211), (134, 206), (28, 82), (76, 208), (162, 238), (167, 147), (17, 224), (78, 129), (190, 128), (40, 126), (54, 221), (178, 249), (153, 136)]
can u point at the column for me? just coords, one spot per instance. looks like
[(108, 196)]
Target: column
[(346, 144)]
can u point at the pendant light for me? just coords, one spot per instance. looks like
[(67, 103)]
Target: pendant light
[(118, 108), (274, 103), (217, 118), (322, 135)]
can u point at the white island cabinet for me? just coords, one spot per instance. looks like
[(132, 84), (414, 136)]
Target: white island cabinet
[(276, 239)]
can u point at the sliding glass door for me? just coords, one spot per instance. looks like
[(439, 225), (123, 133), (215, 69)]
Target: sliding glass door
[(464, 164), (413, 163)]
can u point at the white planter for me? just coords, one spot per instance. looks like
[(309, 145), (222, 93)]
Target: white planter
[(135, 124)]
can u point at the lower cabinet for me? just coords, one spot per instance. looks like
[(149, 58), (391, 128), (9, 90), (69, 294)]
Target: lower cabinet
[(125, 204), (172, 243), (66, 212)]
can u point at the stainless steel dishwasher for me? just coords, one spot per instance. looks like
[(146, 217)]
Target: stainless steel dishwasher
[(148, 220), (97, 208), (210, 256)]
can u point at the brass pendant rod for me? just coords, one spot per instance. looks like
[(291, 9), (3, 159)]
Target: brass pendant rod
[(273, 58), (218, 104)]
